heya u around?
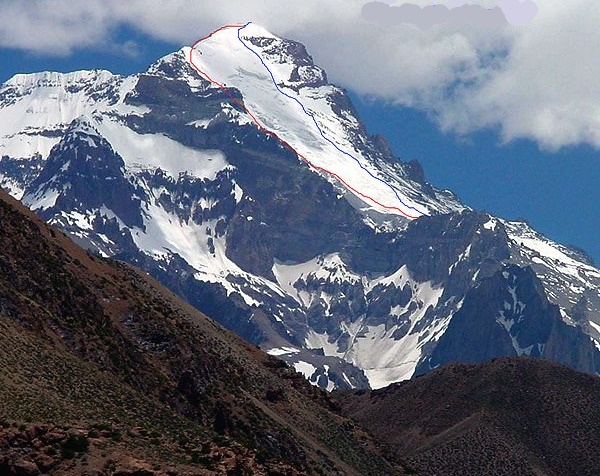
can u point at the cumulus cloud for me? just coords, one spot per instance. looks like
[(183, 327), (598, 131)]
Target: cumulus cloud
[(52, 27), (538, 81), (546, 88)]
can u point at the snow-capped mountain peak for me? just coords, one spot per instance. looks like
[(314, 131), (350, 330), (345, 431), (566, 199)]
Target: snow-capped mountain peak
[(245, 182), (288, 60), (289, 98)]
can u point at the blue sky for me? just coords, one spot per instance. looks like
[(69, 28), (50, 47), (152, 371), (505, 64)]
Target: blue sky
[(549, 170)]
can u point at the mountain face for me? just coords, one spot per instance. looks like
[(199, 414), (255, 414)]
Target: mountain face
[(311, 240), (517, 329), (105, 372), (511, 416)]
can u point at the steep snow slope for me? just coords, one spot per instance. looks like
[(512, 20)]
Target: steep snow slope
[(387, 351), (290, 96)]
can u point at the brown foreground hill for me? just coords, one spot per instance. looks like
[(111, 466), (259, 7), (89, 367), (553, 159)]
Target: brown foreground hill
[(104, 372), (509, 417)]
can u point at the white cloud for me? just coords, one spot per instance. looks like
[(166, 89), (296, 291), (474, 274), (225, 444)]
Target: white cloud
[(547, 89), (537, 81), (53, 27)]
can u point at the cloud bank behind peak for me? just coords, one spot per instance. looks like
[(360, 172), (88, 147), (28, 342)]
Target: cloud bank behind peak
[(537, 81)]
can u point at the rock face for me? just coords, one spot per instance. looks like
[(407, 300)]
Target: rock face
[(84, 153), (501, 324), (165, 171)]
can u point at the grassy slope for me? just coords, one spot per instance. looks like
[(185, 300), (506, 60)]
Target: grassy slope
[(86, 340)]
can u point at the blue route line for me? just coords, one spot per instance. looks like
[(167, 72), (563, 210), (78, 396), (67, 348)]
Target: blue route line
[(317, 124)]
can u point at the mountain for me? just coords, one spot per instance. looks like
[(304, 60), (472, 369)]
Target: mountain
[(239, 177), (512, 416), (105, 372)]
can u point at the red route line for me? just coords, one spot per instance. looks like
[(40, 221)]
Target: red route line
[(273, 134)]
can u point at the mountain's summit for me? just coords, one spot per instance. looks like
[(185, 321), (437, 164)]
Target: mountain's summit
[(288, 96), (287, 54)]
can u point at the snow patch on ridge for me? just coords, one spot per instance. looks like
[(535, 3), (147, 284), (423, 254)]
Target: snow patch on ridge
[(328, 268), (277, 352), (304, 368), (384, 357), (158, 151), (566, 276)]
